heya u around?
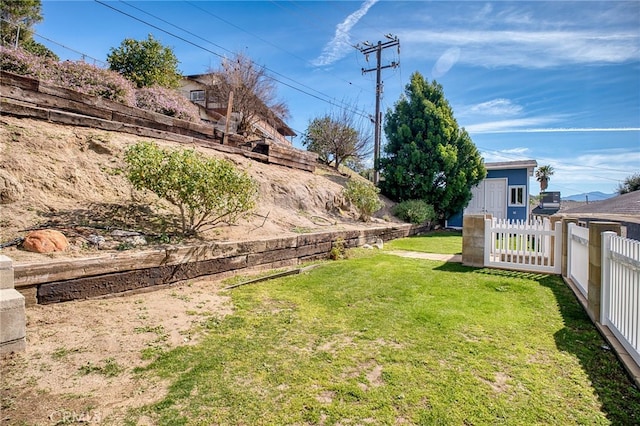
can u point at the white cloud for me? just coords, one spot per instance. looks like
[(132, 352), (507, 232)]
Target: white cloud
[(483, 14), (507, 126), (500, 106), (446, 62), (616, 160), (599, 170), (529, 49), (518, 150), (515, 17), (512, 154), (341, 44), (504, 127)]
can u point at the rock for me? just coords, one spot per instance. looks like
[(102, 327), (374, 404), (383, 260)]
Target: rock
[(10, 189), (109, 245), (136, 240), (379, 244), (45, 241), (96, 240), (119, 233)]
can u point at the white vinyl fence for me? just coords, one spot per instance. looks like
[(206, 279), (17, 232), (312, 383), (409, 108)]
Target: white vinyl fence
[(620, 299), (523, 246), (534, 246), (578, 257)]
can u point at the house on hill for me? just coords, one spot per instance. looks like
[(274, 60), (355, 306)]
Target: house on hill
[(199, 90), (624, 209), (550, 204), (504, 193)]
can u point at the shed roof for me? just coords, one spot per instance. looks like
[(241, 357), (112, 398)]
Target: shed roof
[(519, 164)]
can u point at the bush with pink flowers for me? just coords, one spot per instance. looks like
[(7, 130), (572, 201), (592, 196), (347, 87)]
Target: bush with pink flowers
[(94, 81), (19, 61), (166, 101)]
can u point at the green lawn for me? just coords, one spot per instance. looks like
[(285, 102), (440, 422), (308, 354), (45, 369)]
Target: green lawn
[(380, 339), (443, 242)]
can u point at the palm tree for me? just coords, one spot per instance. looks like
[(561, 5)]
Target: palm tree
[(543, 175)]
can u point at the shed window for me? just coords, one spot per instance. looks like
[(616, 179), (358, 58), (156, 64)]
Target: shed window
[(196, 95), (517, 194)]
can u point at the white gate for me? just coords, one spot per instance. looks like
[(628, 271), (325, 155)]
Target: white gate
[(620, 302), (523, 246), (578, 257)]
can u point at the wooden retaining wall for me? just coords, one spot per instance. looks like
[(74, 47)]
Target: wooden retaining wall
[(27, 97), (65, 280)]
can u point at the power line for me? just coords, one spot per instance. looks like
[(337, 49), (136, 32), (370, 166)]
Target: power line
[(515, 157), (243, 30), (326, 98), (159, 29), (606, 169), (332, 100), (82, 55), (175, 26)]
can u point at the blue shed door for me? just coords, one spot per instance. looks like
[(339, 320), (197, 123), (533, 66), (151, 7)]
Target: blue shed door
[(490, 196)]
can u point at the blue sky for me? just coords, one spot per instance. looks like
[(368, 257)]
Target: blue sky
[(557, 82)]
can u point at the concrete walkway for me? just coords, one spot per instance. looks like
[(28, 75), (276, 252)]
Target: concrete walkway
[(430, 256)]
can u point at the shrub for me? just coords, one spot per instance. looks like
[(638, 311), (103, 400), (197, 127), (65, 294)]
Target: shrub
[(364, 196), (21, 62), (167, 102), (207, 191), (415, 211), (146, 63), (39, 49), (338, 250), (94, 81)]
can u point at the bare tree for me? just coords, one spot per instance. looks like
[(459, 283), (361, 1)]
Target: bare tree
[(338, 137), (254, 92), (630, 184)]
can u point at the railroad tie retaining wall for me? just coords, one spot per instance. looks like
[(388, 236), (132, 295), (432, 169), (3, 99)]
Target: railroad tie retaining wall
[(13, 319), (52, 282), (27, 97)]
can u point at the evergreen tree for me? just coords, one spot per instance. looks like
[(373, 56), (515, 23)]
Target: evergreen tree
[(22, 14), (18, 18), (428, 156)]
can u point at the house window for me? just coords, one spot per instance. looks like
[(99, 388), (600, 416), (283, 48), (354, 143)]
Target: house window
[(196, 95), (517, 195)]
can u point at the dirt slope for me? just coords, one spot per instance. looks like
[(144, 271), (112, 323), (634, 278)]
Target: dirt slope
[(80, 358), (69, 178)]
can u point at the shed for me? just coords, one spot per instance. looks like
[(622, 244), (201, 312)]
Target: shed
[(504, 193)]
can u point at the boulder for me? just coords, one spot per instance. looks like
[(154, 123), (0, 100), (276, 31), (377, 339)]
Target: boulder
[(45, 241)]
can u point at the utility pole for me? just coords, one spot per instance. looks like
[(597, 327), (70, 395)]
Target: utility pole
[(367, 50)]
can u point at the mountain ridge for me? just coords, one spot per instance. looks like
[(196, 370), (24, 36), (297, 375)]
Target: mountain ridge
[(589, 196)]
